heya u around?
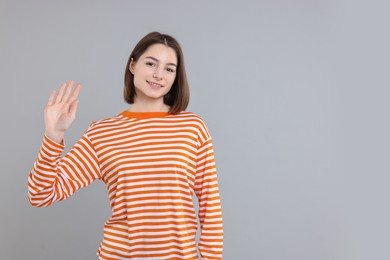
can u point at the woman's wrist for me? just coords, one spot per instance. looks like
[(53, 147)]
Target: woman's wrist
[(55, 136)]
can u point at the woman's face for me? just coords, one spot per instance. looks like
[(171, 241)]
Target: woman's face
[(154, 73)]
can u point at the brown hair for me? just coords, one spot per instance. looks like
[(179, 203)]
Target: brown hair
[(178, 96)]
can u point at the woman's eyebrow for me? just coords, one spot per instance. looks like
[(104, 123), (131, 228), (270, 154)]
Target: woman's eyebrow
[(156, 60)]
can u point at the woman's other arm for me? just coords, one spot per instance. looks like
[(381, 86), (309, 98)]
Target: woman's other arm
[(52, 177)]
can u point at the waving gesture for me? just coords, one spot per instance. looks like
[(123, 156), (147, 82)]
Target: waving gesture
[(60, 111)]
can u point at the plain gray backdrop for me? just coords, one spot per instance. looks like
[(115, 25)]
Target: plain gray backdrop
[(295, 94)]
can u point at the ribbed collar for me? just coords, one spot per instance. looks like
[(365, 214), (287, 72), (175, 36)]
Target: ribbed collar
[(140, 115)]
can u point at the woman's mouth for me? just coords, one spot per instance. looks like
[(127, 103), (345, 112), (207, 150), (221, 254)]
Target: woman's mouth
[(154, 85)]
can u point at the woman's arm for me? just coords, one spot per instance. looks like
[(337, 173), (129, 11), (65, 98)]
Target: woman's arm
[(210, 213), (53, 178)]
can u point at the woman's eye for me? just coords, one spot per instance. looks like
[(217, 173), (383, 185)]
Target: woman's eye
[(170, 70), (151, 64)]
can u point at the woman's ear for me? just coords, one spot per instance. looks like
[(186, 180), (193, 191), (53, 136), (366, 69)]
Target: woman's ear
[(131, 66)]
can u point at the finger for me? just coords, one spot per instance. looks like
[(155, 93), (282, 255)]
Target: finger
[(59, 96), (75, 93), (68, 91), (51, 98)]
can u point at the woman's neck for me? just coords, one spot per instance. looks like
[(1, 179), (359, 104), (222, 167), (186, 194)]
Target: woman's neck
[(148, 107)]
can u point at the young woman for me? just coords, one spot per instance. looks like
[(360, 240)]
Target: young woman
[(152, 157)]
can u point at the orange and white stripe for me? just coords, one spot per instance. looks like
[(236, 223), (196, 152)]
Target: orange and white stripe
[(152, 164)]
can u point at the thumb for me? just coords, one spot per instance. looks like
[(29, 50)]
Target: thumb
[(73, 107)]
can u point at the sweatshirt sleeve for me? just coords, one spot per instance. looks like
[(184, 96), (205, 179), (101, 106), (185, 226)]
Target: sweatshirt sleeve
[(54, 178), (210, 213)]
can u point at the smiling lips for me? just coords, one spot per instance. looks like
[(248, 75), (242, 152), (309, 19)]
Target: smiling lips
[(155, 85)]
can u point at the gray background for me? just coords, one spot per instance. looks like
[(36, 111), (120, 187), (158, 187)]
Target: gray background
[(295, 94)]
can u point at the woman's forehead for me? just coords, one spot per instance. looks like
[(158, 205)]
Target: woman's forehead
[(161, 53)]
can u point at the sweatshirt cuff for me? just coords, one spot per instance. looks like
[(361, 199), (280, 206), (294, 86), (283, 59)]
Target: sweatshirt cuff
[(53, 143)]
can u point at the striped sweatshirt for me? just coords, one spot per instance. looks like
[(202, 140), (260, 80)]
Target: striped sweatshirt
[(152, 163)]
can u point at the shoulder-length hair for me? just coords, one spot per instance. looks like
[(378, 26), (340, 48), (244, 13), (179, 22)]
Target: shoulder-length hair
[(178, 96)]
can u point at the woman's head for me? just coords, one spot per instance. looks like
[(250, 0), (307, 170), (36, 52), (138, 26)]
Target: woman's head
[(178, 96)]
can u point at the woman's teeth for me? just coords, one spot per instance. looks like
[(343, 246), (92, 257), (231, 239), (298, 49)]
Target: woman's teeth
[(155, 85)]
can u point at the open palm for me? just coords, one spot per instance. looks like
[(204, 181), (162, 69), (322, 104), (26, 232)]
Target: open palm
[(60, 111)]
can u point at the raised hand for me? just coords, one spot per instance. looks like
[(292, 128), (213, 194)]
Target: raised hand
[(60, 111)]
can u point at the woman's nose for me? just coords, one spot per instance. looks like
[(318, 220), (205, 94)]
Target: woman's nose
[(158, 74)]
